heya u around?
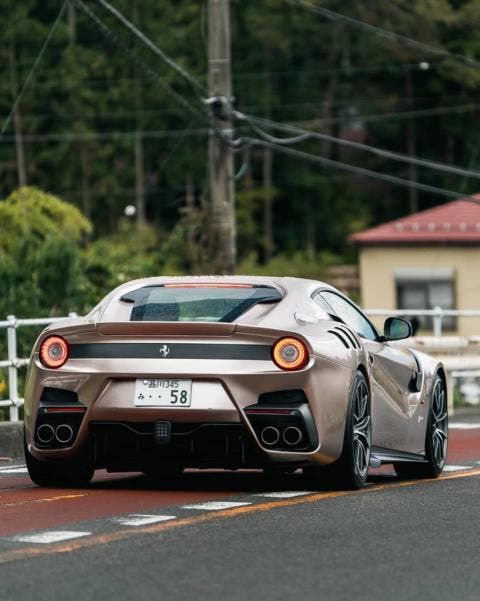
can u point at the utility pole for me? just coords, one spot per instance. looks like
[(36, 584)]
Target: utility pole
[(223, 227)]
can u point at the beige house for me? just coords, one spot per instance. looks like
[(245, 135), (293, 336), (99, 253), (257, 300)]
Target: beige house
[(422, 261)]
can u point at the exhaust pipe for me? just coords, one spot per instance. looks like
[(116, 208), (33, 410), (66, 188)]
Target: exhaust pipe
[(64, 433), (292, 436), (45, 433), (270, 436)]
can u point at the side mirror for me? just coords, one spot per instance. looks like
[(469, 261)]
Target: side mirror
[(395, 328)]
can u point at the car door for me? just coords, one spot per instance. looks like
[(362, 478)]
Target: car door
[(393, 373)]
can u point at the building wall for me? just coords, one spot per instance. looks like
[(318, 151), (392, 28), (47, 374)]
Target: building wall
[(377, 282)]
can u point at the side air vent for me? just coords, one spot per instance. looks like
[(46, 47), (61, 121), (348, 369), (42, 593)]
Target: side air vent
[(347, 337), (340, 337), (349, 334)]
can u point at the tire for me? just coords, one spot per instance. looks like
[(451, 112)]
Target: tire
[(62, 474), (350, 471), (436, 438)]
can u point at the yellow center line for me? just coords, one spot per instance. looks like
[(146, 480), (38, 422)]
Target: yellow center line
[(43, 500), (110, 537)]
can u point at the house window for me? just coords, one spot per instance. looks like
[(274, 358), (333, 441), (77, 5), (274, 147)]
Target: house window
[(424, 288)]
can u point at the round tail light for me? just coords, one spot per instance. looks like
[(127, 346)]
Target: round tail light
[(54, 352), (290, 354)]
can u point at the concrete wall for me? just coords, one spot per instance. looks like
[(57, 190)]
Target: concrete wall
[(11, 440), (377, 283)]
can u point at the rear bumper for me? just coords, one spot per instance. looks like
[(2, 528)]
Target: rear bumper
[(122, 446), (218, 398)]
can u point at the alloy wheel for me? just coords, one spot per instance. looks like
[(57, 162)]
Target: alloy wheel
[(362, 429), (439, 424)]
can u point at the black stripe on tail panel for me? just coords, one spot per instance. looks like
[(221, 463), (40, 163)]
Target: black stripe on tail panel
[(152, 350)]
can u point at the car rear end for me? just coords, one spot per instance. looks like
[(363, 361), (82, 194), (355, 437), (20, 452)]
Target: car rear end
[(178, 378)]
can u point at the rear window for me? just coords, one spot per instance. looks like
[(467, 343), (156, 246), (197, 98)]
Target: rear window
[(211, 303)]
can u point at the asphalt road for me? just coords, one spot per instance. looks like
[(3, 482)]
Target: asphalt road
[(127, 538)]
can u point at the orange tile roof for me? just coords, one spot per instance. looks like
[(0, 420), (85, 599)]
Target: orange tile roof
[(453, 222)]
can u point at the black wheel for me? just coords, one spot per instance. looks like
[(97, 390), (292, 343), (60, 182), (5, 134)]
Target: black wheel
[(351, 469), (71, 474), (436, 438)]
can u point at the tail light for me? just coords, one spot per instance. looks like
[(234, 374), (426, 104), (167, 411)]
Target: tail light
[(54, 351), (290, 354)]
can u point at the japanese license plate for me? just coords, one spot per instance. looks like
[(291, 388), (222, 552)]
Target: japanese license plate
[(163, 393)]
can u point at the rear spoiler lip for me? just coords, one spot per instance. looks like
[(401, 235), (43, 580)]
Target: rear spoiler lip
[(172, 329)]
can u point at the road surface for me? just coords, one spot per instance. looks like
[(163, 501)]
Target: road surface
[(236, 536)]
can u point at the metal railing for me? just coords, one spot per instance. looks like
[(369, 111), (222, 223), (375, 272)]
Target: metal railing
[(13, 363)]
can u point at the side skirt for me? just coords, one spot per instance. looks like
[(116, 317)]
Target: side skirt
[(390, 456)]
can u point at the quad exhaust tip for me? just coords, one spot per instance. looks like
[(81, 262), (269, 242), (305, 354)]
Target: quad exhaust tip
[(64, 433), (45, 433), (270, 436), (292, 436)]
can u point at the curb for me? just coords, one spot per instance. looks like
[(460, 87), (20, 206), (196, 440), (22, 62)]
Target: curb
[(11, 440)]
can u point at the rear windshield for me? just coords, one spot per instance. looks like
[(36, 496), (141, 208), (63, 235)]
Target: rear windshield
[(197, 302)]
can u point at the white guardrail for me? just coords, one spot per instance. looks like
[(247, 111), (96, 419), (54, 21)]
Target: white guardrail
[(13, 363)]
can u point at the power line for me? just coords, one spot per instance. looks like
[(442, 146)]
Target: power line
[(32, 70), (392, 179), (303, 134), (385, 33), (343, 69), (108, 33), (179, 140), (114, 135), (241, 76), (197, 86), (417, 113), (431, 112)]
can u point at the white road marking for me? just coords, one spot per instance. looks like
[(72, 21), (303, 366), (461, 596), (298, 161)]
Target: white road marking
[(456, 468), (52, 536), (215, 505), (138, 519), (285, 494), (461, 426)]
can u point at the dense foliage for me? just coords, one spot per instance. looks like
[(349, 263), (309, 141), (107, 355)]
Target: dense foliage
[(97, 127)]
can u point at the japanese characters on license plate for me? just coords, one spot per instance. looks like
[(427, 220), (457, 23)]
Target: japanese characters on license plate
[(163, 393)]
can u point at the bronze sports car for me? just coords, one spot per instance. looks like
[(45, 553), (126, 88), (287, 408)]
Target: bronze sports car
[(231, 372)]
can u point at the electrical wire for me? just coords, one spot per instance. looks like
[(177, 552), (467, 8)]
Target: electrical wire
[(108, 33), (415, 114), (114, 135), (460, 108), (392, 179), (196, 85), (385, 33), (34, 67), (303, 134), (178, 141)]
